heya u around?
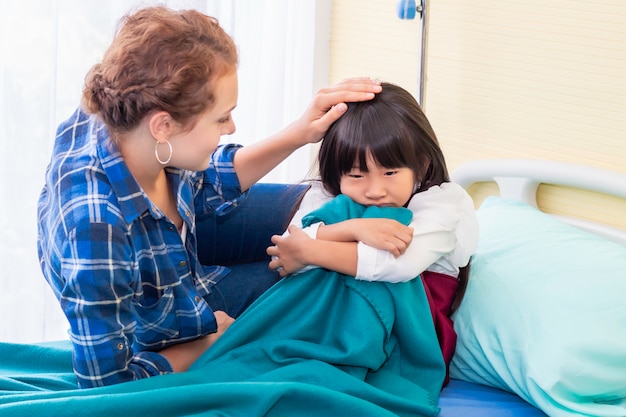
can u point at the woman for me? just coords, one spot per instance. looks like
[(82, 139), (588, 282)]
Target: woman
[(131, 170)]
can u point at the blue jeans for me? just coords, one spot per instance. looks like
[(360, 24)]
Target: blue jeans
[(239, 240)]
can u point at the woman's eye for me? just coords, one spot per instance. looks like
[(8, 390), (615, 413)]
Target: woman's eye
[(224, 120)]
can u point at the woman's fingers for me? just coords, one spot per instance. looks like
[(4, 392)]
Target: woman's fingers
[(346, 91)]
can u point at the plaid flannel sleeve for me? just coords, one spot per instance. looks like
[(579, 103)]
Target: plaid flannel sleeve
[(220, 188), (98, 264)]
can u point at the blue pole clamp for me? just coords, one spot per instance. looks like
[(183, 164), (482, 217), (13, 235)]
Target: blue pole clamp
[(406, 9)]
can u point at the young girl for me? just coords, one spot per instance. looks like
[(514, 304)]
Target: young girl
[(385, 153)]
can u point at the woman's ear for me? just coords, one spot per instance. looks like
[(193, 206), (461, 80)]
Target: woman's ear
[(161, 126)]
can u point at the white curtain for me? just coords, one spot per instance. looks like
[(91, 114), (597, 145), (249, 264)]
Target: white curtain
[(47, 46)]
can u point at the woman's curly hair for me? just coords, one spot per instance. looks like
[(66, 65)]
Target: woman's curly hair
[(160, 59)]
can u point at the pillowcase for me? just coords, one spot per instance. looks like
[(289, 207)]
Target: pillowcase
[(544, 315)]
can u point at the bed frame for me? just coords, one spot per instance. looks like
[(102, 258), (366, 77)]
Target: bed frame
[(520, 179), (516, 178)]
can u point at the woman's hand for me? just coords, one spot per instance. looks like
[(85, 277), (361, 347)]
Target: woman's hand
[(330, 103), (223, 323), (254, 161), (183, 355)]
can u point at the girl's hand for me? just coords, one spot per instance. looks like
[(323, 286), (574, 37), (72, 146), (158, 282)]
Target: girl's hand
[(330, 103), (289, 252), (385, 234)]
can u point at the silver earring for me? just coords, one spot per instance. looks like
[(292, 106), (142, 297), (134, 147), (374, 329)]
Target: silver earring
[(156, 152)]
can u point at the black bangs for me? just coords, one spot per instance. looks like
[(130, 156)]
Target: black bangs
[(365, 129), (385, 136), (392, 129)]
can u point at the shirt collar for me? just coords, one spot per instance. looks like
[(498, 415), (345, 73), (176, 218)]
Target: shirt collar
[(132, 200)]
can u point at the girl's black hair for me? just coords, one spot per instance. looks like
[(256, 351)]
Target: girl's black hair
[(394, 130)]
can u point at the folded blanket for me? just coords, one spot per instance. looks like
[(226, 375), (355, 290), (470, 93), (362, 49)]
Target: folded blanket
[(317, 344), (343, 208)]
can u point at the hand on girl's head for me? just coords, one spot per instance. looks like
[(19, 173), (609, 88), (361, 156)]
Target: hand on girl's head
[(330, 103)]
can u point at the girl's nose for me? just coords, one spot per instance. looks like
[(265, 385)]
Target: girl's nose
[(375, 190)]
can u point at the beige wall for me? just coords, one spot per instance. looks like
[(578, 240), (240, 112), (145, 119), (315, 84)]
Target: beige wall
[(542, 79), (367, 39), (537, 79)]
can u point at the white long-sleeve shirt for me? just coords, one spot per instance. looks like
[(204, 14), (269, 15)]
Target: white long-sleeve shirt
[(445, 235)]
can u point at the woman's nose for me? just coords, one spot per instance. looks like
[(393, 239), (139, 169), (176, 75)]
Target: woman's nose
[(229, 128)]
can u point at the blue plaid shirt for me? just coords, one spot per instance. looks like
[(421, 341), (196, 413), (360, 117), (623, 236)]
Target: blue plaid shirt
[(125, 279)]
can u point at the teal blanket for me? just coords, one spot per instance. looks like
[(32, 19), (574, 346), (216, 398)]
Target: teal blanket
[(317, 344)]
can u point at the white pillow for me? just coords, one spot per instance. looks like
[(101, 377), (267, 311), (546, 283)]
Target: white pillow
[(544, 315)]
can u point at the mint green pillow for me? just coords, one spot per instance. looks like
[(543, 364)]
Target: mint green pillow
[(544, 315)]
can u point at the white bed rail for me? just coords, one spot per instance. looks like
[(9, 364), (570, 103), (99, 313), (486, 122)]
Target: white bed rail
[(519, 179)]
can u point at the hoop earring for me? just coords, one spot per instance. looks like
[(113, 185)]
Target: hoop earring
[(156, 152)]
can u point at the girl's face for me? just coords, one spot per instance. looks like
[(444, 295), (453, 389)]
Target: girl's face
[(192, 149), (378, 186)]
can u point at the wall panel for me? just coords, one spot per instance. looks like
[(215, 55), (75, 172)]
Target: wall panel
[(536, 79)]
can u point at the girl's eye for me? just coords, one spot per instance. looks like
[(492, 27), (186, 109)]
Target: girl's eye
[(389, 173), (354, 173), (224, 120)]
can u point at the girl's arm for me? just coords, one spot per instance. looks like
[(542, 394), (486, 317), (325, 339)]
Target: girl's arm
[(385, 234), (382, 234), (336, 246), (252, 162), (445, 234), (295, 250)]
